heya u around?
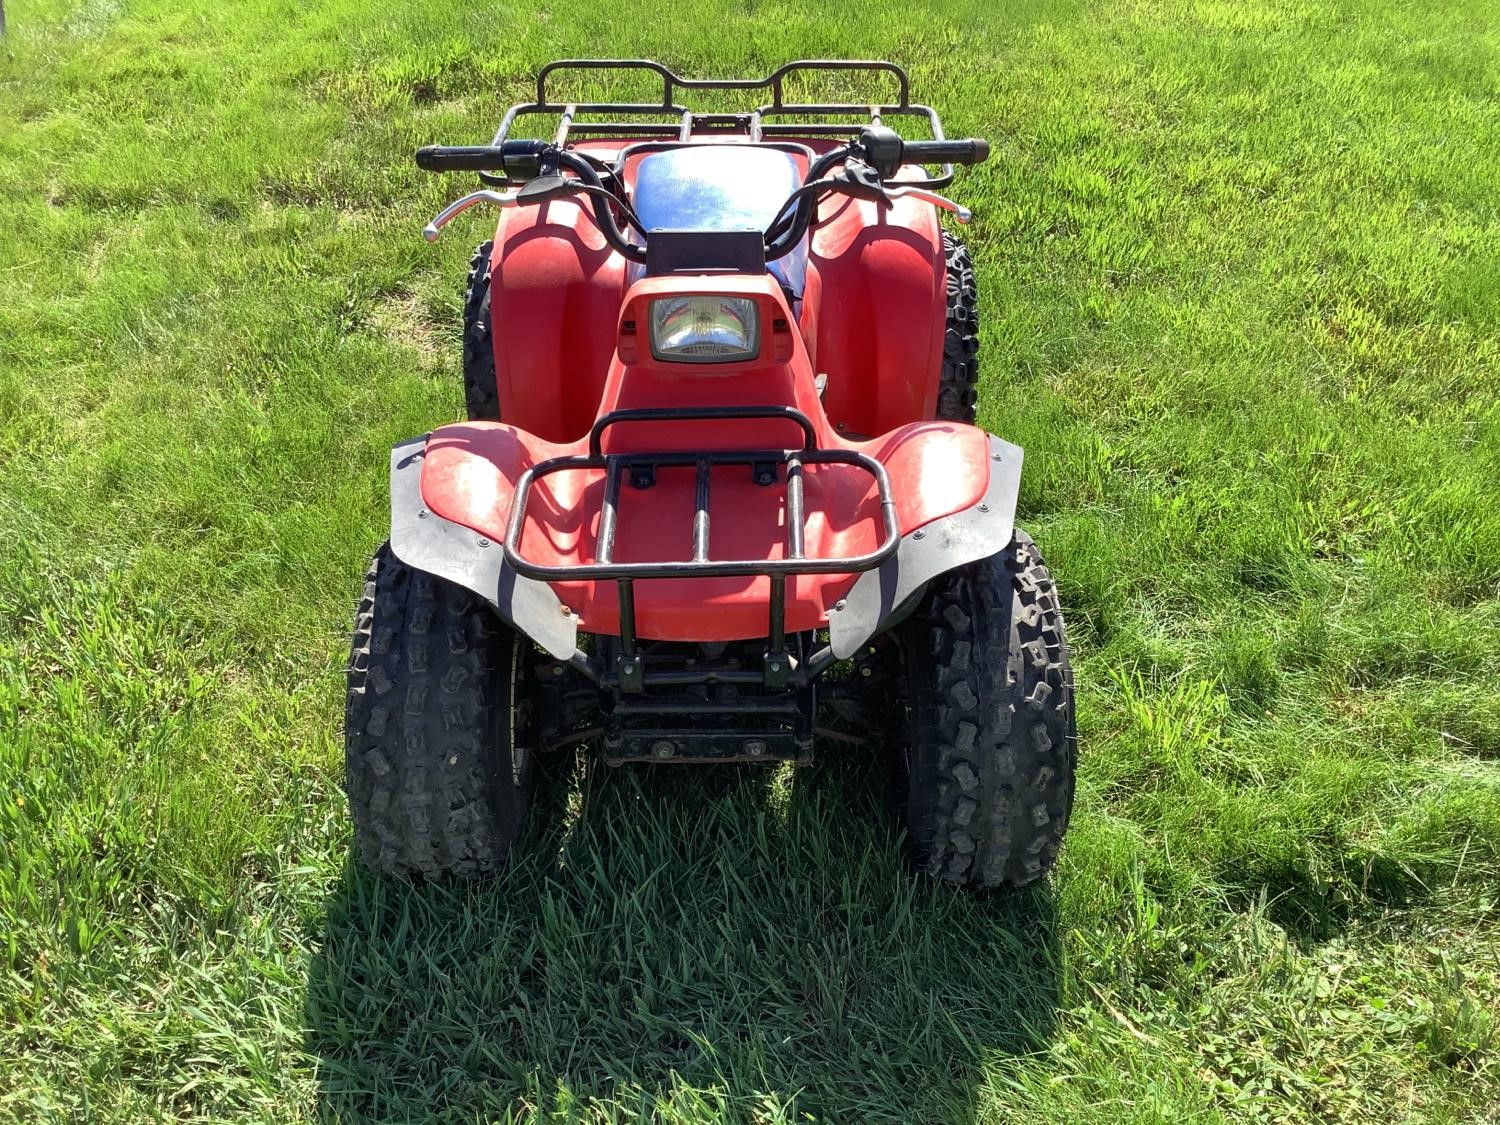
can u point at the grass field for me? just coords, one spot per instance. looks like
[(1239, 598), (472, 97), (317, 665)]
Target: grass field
[(1240, 266)]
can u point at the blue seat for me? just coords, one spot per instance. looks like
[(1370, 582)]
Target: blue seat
[(718, 188)]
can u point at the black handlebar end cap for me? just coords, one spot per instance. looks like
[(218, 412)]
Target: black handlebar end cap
[(981, 150)]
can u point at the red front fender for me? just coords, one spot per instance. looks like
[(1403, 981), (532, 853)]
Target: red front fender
[(469, 476)]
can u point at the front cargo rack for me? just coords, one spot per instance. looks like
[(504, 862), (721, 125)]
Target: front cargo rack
[(669, 119), (766, 467)]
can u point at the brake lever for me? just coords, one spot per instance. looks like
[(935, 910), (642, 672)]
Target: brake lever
[(500, 199), (960, 212), (863, 181), (537, 190)]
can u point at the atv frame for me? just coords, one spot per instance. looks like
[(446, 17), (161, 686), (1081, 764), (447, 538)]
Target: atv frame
[(630, 615)]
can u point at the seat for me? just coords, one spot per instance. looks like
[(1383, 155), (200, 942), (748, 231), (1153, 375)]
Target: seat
[(721, 187)]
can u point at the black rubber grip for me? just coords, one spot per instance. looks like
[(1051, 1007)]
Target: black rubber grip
[(972, 151), (478, 158)]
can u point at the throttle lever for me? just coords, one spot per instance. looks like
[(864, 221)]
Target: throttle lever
[(862, 181)]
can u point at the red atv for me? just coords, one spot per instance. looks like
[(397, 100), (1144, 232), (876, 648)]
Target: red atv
[(719, 497)]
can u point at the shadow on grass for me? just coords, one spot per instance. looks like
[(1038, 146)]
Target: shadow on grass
[(1316, 906), (727, 943)]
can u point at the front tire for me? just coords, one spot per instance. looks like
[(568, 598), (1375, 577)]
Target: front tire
[(434, 784), (993, 740), (958, 386), (481, 390)]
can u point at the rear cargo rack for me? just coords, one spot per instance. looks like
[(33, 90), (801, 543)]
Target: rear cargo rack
[(765, 465), (671, 120)]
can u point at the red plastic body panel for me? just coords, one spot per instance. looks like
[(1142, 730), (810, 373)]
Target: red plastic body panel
[(470, 472), (871, 313), (555, 292), (874, 317)]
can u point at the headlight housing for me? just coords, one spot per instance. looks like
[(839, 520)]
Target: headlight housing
[(705, 328)]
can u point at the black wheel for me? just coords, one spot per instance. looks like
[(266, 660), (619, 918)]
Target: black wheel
[(481, 392), (958, 390), (993, 742), (434, 785)]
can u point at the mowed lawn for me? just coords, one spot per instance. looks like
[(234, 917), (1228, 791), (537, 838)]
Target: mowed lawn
[(1240, 272)]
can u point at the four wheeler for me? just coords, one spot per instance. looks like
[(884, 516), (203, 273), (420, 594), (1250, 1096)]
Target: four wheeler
[(719, 497)]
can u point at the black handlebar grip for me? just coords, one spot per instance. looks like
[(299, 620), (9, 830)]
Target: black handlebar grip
[(972, 151), (459, 158), (481, 158)]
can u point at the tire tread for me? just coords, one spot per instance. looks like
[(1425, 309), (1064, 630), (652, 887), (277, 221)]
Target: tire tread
[(994, 740), (481, 390), (430, 789), (958, 386)]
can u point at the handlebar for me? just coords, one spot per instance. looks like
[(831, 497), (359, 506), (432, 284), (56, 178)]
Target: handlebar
[(881, 147)]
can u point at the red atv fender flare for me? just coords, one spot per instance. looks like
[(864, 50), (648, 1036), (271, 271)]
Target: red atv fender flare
[(426, 541), (935, 548)]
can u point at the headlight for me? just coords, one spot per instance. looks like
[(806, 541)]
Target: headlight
[(705, 329)]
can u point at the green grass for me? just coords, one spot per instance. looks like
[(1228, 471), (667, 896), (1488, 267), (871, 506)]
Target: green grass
[(1240, 265)]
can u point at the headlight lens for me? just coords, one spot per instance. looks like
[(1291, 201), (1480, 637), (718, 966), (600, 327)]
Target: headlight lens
[(705, 328)]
